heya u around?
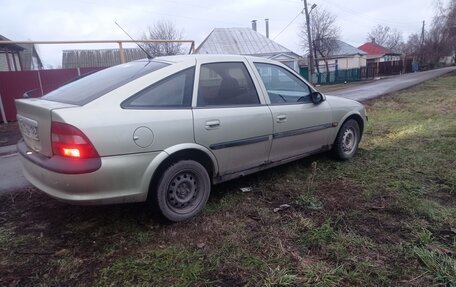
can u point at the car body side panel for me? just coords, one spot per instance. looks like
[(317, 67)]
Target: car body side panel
[(112, 130), (342, 109), (151, 169), (299, 129), (242, 139), (193, 146), (120, 180)]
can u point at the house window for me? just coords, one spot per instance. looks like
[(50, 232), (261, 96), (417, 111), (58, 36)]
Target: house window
[(290, 64)]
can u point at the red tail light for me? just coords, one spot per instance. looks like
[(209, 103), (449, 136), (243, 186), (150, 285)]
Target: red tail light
[(69, 141)]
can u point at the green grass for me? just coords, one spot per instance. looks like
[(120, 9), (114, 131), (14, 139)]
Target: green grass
[(167, 267), (440, 266), (318, 237), (384, 218)]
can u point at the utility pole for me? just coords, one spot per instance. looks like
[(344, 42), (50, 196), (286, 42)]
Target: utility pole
[(309, 38), (422, 34), (421, 45)]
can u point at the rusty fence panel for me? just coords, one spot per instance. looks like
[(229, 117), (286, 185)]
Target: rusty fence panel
[(14, 84)]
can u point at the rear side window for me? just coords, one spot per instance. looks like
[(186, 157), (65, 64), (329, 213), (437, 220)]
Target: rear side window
[(173, 91), (91, 87), (226, 84)]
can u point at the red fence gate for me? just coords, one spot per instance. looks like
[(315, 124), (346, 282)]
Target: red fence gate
[(14, 84)]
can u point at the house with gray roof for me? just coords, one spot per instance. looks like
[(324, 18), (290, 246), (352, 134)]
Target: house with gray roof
[(15, 57), (9, 56), (344, 57), (246, 41), (344, 63)]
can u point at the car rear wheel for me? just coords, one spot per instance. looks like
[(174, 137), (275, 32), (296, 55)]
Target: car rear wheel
[(347, 140), (182, 190)]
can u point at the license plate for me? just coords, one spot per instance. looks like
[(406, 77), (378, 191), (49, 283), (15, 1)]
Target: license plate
[(29, 128)]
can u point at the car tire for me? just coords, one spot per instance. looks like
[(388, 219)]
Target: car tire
[(182, 191), (347, 140)]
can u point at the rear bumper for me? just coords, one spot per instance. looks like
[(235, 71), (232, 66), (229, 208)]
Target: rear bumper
[(120, 179)]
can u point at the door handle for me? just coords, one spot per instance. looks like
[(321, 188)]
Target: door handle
[(212, 124), (281, 118)]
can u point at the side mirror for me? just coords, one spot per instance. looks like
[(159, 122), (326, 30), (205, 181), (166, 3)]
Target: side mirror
[(317, 97)]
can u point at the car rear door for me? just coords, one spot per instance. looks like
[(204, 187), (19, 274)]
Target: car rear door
[(230, 117), (300, 126)]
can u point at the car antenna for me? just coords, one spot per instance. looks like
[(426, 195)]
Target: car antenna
[(144, 50)]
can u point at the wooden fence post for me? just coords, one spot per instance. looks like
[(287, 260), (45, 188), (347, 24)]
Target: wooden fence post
[(122, 53)]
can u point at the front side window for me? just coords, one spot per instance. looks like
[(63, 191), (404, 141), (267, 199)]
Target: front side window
[(226, 84), (282, 86), (173, 91)]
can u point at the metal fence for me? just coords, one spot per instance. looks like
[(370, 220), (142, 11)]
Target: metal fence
[(14, 84), (372, 70), (334, 77)]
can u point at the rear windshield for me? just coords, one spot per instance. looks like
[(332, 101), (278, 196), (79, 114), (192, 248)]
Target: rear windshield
[(86, 89)]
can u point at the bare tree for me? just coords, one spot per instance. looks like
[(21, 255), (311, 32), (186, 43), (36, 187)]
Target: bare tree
[(440, 40), (385, 36), (451, 28), (163, 30), (413, 46), (324, 33)]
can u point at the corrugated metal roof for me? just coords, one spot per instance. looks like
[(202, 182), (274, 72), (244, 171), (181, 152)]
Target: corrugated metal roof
[(98, 58), (13, 47), (344, 49), (240, 41), (375, 49)]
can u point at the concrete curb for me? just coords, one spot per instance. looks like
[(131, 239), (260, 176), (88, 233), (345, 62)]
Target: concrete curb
[(7, 150)]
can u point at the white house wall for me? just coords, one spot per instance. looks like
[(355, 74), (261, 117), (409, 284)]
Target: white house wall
[(13, 59), (291, 62), (17, 61), (388, 58), (346, 63)]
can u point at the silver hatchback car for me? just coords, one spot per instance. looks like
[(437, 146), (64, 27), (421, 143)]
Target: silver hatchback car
[(165, 130)]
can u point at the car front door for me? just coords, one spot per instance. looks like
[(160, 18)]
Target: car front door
[(300, 126), (230, 117)]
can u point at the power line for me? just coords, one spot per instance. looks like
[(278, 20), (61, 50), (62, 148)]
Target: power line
[(287, 25), (258, 50)]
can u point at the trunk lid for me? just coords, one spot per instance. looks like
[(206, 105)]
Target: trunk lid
[(34, 118)]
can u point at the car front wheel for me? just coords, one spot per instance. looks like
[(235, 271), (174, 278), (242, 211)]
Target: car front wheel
[(347, 140), (182, 191)]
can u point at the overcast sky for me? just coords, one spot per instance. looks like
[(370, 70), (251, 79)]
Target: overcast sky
[(94, 20)]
